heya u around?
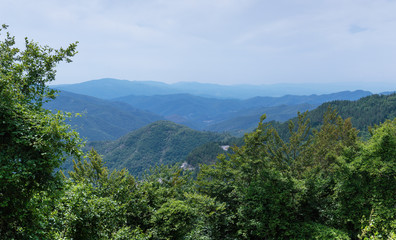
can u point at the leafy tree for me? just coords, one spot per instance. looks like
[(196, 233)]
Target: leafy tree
[(95, 203), (274, 188), (256, 184), (366, 188), (33, 141), (117, 184)]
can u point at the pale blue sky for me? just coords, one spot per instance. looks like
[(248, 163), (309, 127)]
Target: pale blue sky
[(216, 41)]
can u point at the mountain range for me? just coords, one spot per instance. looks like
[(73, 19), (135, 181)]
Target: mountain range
[(138, 137), (101, 119), (165, 142), (108, 119), (235, 115), (108, 88)]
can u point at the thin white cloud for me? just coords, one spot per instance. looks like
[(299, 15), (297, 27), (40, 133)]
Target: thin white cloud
[(224, 41)]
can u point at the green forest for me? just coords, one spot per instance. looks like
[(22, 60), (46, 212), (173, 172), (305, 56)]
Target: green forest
[(327, 182)]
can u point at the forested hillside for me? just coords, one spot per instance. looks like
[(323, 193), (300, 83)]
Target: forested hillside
[(161, 142), (246, 120), (367, 111), (364, 113), (232, 115)]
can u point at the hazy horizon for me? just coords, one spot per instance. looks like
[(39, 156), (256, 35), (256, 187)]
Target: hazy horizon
[(346, 43), (290, 88)]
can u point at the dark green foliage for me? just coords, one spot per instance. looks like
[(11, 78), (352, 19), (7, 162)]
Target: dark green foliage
[(204, 154), (261, 196), (208, 152), (269, 206), (311, 186), (364, 112)]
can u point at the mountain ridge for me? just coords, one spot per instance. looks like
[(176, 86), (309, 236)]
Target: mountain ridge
[(208, 113), (101, 119), (108, 88)]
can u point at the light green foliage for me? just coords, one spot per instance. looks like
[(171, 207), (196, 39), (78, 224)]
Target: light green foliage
[(33, 141), (94, 205), (335, 137), (82, 214), (117, 184), (371, 230), (318, 231), (100, 205)]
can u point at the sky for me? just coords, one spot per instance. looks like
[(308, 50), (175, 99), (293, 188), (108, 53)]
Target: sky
[(216, 41)]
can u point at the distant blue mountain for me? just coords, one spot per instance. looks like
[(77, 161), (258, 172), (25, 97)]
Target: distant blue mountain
[(109, 88), (211, 113), (114, 111), (101, 119)]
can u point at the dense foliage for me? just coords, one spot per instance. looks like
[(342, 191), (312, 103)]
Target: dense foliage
[(364, 112), (321, 184), (329, 185)]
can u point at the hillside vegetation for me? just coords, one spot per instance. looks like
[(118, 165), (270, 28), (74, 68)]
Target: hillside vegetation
[(329, 185), (167, 143), (161, 142), (233, 115), (364, 113)]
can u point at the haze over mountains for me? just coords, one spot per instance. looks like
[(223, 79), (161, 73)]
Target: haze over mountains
[(108, 88), (126, 114), (164, 142), (101, 119), (119, 111)]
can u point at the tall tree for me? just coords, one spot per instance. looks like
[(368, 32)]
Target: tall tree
[(33, 141)]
